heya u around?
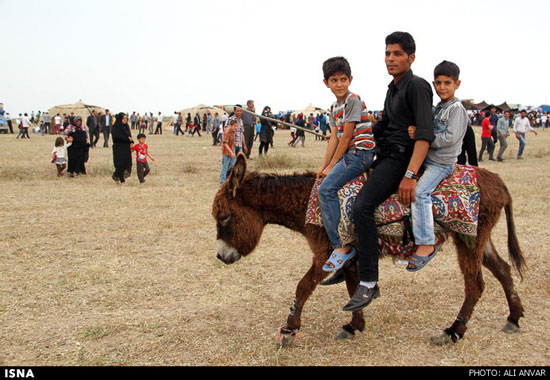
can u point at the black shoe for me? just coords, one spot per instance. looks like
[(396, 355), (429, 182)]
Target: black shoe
[(492, 159), (362, 298), (336, 278)]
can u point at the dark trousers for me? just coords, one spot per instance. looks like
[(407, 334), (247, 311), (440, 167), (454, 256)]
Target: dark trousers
[(382, 182), (106, 132), (94, 136), (158, 131), (487, 143), (142, 169), (264, 146), (249, 138)]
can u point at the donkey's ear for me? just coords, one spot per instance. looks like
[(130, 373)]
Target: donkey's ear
[(238, 172)]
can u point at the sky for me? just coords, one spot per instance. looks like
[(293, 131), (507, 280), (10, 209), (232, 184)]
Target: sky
[(163, 56)]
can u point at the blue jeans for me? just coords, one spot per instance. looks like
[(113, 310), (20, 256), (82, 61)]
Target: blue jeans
[(352, 164), (227, 165), (421, 208), (522, 143)]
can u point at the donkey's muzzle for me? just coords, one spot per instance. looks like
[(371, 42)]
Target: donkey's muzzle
[(227, 254)]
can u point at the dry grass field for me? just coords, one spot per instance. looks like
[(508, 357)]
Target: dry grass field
[(94, 273)]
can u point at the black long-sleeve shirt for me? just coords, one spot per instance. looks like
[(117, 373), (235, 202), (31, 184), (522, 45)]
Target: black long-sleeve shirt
[(468, 148), (408, 102)]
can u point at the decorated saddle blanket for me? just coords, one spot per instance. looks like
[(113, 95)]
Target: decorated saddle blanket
[(455, 209)]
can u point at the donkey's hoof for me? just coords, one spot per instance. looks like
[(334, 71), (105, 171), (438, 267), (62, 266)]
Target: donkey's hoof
[(510, 328), (344, 334), (285, 337), (441, 340)]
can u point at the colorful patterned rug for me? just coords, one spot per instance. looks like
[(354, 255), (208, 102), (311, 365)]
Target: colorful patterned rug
[(455, 208)]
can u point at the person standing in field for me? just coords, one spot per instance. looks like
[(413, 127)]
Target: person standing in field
[(249, 126), (122, 146), (158, 130), (486, 138), (502, 133), (106, 122), (142, 152), (521, 126), (266, 131), (228, 149), (77, 153), (59, 154)]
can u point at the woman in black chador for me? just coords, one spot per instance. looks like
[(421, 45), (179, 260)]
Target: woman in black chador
[(77, 153), (122, 148)]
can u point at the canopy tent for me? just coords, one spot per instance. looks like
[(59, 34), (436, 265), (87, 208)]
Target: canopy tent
[(79, 109), (504, 107), (201, 109), (483, 106), (475, 106)]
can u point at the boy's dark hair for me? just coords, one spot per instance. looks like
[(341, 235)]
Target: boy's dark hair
[(449, 69), (140, 135), (59, 141), (404, 39), (336, 65)]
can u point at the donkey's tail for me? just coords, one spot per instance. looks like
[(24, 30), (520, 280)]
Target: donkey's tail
[(516, 256)]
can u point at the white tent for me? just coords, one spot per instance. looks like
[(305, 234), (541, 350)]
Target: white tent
[(311, 109), (79, 109)]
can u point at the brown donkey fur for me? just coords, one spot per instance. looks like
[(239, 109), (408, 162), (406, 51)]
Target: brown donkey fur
[(247, 202)]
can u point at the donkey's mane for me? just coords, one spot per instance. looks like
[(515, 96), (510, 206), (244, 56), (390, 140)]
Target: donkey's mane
[(271, 182)]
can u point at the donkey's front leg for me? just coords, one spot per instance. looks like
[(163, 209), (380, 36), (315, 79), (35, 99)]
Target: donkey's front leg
[(305, 288)]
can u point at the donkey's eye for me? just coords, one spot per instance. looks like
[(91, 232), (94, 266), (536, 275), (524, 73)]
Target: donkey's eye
[(224, 220)]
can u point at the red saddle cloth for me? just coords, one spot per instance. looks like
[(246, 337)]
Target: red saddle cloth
[(455, 209)]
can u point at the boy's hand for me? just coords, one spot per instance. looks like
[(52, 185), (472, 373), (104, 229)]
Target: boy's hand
[(319, 173), (412, 131), (327, 170), (70, 139)]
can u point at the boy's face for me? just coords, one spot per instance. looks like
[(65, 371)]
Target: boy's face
[(397, 61), (338, 83), (141, 140), (445, 87)]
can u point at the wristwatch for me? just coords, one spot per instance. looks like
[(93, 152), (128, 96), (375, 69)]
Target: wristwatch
[(410, 175)]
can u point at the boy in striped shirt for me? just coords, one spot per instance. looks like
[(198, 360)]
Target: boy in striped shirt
[(349, 153)]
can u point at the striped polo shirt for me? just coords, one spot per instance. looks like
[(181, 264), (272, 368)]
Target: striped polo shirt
[(353, 109)]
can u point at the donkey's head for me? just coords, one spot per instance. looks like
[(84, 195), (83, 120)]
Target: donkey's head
[(239, 225)]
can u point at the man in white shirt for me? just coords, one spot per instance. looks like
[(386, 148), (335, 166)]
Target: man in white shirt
[(56, 124), (158, 130), (521, 126), (106, 122)]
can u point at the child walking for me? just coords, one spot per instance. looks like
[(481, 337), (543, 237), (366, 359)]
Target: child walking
[(228, 150), (142, 152), (349, 153), (450, 122), (59, 154)]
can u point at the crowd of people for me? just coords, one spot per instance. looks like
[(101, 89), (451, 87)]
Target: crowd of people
[(496, 127)]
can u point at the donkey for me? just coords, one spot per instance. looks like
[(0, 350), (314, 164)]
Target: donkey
[(247, 202)]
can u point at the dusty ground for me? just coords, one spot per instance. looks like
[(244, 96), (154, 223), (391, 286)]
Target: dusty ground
[(95, 273)]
